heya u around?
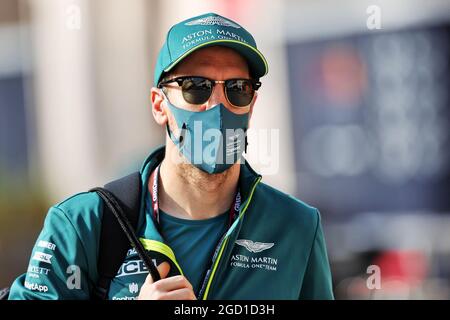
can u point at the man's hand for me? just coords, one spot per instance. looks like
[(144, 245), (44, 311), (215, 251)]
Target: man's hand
[(172, 288)]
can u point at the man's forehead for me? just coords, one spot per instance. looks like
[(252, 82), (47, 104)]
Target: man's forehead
[(222, 53), (214, 57)]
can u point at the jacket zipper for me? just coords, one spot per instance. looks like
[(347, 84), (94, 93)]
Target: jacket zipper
[(224, 244)]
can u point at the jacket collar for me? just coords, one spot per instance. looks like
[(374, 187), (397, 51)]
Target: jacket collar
[(247, 175)]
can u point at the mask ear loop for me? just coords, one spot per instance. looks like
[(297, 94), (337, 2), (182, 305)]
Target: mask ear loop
[(180, 140), (246, 142)]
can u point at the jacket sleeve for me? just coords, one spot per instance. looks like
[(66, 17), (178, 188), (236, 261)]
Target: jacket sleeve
[(58, 267), (317, 282)]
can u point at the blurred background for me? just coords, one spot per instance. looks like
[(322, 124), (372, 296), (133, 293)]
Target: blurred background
[(357, 90)]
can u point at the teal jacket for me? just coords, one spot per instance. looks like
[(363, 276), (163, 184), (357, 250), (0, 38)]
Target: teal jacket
[(274, 250)]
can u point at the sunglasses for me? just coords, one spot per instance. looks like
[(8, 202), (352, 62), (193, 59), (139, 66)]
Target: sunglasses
[(198, 90)]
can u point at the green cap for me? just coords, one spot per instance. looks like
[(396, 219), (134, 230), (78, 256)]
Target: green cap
[(209, 29)]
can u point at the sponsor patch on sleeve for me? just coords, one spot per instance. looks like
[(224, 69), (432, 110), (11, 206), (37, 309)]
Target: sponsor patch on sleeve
[(46, 245), (35, 287), (43, 257)]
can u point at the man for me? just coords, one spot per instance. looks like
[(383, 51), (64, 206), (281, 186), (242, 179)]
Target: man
[(218, 232)]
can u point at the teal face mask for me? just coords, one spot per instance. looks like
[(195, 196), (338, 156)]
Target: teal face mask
[(212, 140)]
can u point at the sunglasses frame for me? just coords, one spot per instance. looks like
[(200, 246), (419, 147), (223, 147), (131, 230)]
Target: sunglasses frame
[(179, 80)]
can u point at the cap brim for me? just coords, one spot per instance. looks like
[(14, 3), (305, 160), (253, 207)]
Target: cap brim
[(257, 63)]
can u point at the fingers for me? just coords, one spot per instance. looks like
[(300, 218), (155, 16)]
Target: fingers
[(172, 288), (172, 283), (180, 294)]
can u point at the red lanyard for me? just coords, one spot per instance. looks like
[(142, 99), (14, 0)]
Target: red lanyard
[(234, 210)]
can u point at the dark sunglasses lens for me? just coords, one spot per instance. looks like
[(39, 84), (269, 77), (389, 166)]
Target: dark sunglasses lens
[(239, 92), (196, 90)]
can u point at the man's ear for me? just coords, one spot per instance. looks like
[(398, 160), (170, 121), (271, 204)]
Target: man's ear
[(158, 110)]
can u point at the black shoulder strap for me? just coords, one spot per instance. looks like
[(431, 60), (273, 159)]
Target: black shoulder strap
[(121, 199)]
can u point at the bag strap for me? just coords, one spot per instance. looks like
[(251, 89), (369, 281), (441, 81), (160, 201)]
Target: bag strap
[(121, 199)]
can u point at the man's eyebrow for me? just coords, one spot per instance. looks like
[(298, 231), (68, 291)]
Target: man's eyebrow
[(208, 63), (208, 66)]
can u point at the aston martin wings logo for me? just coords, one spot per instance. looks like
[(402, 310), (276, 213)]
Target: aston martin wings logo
[(254, 246), (208, 21)]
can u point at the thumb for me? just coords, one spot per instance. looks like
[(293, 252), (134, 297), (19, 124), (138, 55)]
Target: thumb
[(163, 270)]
